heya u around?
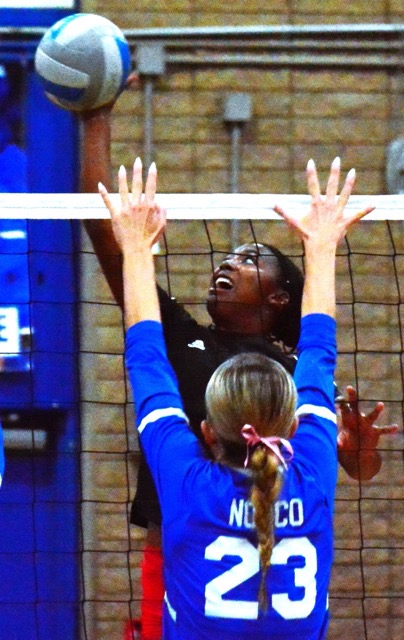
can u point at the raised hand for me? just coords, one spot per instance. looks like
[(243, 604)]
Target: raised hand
[(138, 221), (321, 228), (358, 437), (326, 221)]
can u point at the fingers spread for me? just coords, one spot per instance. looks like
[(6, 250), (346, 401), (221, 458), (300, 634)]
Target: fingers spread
[(151, 184), (123, 186), (333, 180), (280, 211), (358, 215), (373, 415), (105, 196), (345, 407), (159, 221), (344, 197), (290, 219), (390, 429), (312, 179), (352, 395), (137, 181), (347, 188)]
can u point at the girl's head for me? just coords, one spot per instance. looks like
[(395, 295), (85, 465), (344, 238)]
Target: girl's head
[(257, 290), (249, 388), (252, 389)]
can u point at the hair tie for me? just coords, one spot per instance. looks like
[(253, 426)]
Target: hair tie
[(271, 442)]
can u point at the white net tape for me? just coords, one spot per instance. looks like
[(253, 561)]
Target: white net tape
[(185, 206)]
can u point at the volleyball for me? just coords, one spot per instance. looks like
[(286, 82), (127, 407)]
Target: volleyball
[(83, 61)]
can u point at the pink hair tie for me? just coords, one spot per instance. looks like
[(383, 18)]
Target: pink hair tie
[(271, 442)]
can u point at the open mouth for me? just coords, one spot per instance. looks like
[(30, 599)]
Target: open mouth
[(222, 282)]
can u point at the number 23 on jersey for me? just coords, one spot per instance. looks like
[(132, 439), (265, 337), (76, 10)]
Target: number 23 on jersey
[(218, 607)]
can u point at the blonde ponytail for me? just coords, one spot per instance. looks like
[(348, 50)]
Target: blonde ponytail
[(267, 472), (251, 389)]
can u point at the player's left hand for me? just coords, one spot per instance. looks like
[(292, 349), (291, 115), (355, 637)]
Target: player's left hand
[(326, 219), (358, 436), (138, 221)]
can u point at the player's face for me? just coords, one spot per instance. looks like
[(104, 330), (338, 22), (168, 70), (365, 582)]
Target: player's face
[(245, 283)]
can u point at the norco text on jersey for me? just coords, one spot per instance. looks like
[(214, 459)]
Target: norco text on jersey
[(286, 513)]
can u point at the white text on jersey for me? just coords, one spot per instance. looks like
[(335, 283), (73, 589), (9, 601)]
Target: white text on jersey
[(286, 513)]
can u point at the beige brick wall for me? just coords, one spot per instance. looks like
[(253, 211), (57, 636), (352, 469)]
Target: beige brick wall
[(297, 114), (367, 516)]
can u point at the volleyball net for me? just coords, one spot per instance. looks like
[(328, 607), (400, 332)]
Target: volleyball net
[(85, 473)]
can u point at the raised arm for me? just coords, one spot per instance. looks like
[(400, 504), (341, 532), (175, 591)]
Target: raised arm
[(137, 223), (95, 167), (321, 230)]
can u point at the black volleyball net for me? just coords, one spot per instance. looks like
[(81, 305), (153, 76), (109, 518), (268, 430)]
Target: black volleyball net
[(71, 448)]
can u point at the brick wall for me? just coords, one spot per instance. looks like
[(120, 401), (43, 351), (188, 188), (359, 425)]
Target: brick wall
[(297, 114)]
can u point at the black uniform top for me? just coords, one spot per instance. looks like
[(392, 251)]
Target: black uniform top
[(195, 352)]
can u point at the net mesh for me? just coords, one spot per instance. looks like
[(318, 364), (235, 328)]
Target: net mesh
[(367, 588)]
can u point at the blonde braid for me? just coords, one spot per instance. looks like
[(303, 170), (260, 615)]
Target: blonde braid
[(251, 390), (267, 482)]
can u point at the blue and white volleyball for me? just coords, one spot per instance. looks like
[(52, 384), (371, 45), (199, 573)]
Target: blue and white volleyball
[(83, 62)]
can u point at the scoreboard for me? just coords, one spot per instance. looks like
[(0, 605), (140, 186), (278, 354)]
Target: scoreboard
[(15, 330), (37, 314)]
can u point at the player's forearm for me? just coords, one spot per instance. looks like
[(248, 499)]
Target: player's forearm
[(319, 286), (140, 293), (95, 164), (96, 167)]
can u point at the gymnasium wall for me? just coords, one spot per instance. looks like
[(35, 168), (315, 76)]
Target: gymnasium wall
[(297, 114)]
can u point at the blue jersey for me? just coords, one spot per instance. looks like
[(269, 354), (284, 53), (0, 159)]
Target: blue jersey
[(211, 562)]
